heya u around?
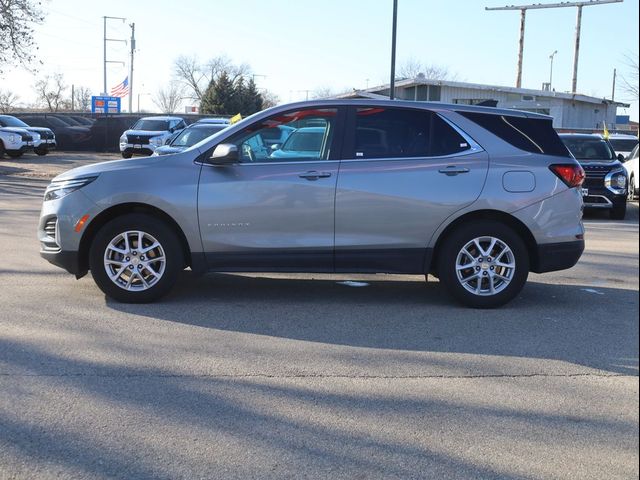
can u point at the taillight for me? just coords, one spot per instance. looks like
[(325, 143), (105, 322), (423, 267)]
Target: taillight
[(571, 174)]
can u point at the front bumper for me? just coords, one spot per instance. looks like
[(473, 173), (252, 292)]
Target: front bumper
[(45, 145), (138, 149), (552, 257), (65, 259), (24, 148), (602, 197)]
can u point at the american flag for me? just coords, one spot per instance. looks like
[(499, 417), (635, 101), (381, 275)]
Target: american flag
[(121, 90)]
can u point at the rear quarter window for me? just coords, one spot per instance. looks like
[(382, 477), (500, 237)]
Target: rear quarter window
[(533, 135)]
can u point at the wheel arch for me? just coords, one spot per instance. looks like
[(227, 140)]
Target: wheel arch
[(509, 220), (122, 209)]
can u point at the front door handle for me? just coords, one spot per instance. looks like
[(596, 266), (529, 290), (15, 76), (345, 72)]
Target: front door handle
[(313, 175), (452, 170)]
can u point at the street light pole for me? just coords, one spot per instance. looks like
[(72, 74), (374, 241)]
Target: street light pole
[(392, 83), (551, 68)]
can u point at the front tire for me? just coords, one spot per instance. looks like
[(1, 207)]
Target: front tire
[(14, 154), (41, 151), (619, 210), (483, 264), (135, 258), (127, 155)]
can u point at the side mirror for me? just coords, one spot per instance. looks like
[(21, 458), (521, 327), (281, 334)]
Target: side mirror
[(621, 157), (276, 146), (224, 154)]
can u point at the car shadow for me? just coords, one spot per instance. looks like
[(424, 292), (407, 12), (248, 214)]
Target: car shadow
[(571, 323)]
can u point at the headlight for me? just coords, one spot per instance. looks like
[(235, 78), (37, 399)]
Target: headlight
[(156, 141), (12, 138), (35, 136), (620, 180), (62, 188)]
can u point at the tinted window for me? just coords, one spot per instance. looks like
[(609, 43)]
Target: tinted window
[(193, 135), (151, 125), (315, 128), (623, 144), (12, 122), (529, 134), (589, 148), (402, 133)]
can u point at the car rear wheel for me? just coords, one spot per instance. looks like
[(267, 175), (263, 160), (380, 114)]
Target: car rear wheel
[(483, 264), (135, 258)]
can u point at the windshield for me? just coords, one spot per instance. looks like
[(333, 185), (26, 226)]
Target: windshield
[(152, 125), (304, 141), (193, 135), (56, 122), (589, 148), (623, 144), (12, 122)]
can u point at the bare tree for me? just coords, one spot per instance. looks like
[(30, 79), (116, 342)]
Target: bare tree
[(196, 76), (269, 99), (169, 98), (82, 99), (412, 68), (323, 92), (630, 81), (8, 101), (50, 92), (16, 31)]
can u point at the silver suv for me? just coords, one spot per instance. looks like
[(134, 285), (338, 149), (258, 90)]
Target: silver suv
[(475, 196)]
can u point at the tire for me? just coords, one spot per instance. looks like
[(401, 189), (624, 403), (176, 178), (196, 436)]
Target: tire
[(126, 155), (14, 154), (41, 151), (1, 149), (619, 210), (512, 256), (134, 281)]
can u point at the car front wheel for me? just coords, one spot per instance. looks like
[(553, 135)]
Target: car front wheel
[(135, 258), (483, 264)]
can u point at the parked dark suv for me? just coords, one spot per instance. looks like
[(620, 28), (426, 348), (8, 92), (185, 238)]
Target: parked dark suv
[(606, 181)]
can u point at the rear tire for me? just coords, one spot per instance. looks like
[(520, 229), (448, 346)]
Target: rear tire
[(619, 210), (130, 272), (483, 264)]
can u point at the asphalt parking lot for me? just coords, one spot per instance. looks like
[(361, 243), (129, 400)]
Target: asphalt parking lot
[(305, 376)]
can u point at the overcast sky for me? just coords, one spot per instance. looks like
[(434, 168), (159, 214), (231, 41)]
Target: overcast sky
[(341, 44)]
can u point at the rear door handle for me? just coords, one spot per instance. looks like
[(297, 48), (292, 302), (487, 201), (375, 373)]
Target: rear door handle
[(313, 175), (452, 170)]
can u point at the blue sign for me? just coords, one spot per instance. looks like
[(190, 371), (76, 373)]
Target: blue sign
[(105, 104)]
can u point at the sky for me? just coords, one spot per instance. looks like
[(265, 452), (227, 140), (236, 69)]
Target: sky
[(297, 47)]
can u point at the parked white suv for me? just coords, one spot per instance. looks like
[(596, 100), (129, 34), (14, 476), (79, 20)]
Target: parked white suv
[(631, 166), (15, 141), (148, 134)]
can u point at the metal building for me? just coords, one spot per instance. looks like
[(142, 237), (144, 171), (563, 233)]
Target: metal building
[(569, 111)]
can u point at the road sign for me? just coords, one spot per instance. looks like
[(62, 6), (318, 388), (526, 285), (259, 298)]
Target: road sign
[(102, 104)]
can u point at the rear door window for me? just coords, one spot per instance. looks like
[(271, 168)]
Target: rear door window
[(402, 133), (535, 135)]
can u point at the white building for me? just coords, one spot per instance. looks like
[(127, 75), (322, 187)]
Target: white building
[(569, 111)]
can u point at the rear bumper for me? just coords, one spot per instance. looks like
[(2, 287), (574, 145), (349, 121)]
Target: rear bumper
[(557, 256)]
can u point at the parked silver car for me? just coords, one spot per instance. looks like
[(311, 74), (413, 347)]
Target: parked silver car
[(476, 196)]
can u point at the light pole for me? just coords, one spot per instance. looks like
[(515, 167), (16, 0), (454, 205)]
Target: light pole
[(392, 82), (551, 68)]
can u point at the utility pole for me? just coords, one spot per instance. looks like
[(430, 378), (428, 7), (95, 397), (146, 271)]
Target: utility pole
[(105, 40), (613, 87), (392, 83), (133, 48), (524, 8), (73, 97), (551, 68)]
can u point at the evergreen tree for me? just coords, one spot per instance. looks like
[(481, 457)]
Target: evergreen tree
[(253, 98)]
